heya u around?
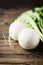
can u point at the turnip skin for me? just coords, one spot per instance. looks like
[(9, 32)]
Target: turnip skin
[(15, 28), (28, 38)]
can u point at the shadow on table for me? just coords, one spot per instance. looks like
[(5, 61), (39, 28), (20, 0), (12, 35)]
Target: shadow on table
[(39, 48)]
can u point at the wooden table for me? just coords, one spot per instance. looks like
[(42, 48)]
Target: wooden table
[(17, 55)]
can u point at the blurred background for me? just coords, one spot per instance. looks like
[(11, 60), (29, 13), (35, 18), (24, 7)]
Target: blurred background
[(20, 3)]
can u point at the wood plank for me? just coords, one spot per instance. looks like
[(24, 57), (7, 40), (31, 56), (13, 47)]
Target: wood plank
[(12, 64), (23, 56), (21, 64), (20, 60)]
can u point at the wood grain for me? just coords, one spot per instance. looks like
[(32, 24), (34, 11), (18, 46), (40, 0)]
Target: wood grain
[(16, 55)]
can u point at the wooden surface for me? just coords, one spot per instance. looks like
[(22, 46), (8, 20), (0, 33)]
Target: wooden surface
[(17, 55)]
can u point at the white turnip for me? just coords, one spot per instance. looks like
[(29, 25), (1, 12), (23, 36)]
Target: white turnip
[(28, 38), (15, 28)]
